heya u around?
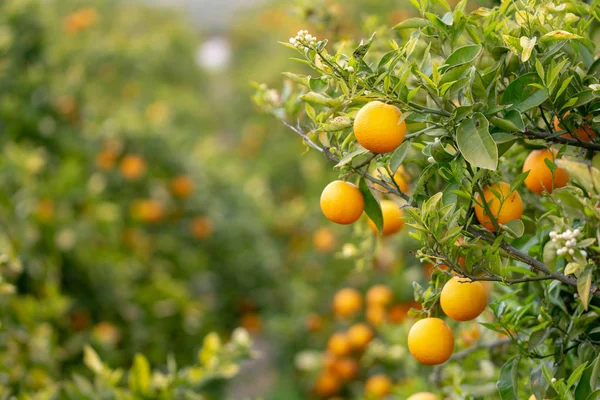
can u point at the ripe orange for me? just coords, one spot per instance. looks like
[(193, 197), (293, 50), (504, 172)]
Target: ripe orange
[(342, 202), (378, 386), (377, 127), (132, 166), (584, 133), (345, 368), (45, 210), (324, 240), (393, 220), (106, 159), (80, 20), (430, 341), (201, 227), (314, 322), (327, 385), (540, 176), (398, 313), (347, 302), (251, 322), (182, 186), (379, 295), (376, 315), (469, 335), (462, 299), (147, 210), (506, 208), (107, 333), (400, 177), (339, 344), (423, 396), (360, 335)]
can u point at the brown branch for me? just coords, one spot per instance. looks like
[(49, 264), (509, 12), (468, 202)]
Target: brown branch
[(559, 139)]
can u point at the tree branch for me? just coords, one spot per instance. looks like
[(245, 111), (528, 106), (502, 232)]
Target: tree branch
[(559, 139)]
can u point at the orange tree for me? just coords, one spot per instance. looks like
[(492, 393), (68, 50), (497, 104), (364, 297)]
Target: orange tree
[(496, 112)]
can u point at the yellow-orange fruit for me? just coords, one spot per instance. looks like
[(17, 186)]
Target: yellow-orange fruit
[(201, 227), (378, 386), (347, 302), (469, 335), (393, 220), (430, 341), (342, 202), (251, 322), (398, 313), (540, 177), (324, 240), (132, 166), (147, 210), (182, 186), (423, 396), (377, 127), (506, 208), (345, 368), (379, 295), (107, 333), (339, 344), (462, 299), (359, 336), (584, 133), (314, 322), (400, 177), (376, 315), (327, 385)]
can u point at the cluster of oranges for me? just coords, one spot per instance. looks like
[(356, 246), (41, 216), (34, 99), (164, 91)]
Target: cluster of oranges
[(133, 167), (341, 363), (80, 20)]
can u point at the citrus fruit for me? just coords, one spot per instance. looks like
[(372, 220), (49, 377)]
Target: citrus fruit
[(377, 127), (392, 218), (360, 335), (540, 177), (469, 335), (339, 344), (376, 315), (345, 368), (347, 302), (398, 313), (147, 210), (507, 207), (379, 295), (400, 177), (201, 227), (314, 322), (182, 186), (430, 341), (463, 299), (423, 396), (327, 385), (132, 166), (584, 133), (342, 202), (324, 240), (378, 386)]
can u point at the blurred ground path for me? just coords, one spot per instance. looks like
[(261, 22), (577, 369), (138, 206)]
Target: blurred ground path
[(257, 376)]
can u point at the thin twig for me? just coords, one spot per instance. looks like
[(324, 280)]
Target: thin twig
[(559, 139)]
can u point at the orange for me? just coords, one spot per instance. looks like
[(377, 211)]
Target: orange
[(430, 341), (339, 344), (45, 210), (469, 335), (359, 336), (398, 313), (376, 315), (327, 385), (506, 208), (106, 159), (80, 20), (132, 166), (147, 210), (393, 220), (347, 302), (462, 299), (540, 176), (314, 322), (324, 240), (345, 368), (423, 396), (182, 186), (107, 333), (379, 295), (400, 177), (584, 133), (201, 227), (251, 322), (377, 127), (157, 112), (378, 386), (342, 202)]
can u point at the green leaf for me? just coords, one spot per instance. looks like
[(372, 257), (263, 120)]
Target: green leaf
[(372, 207), (528, 46), (521, 96), (412, 23), (515, 227), (576, 375), (537, 338), (320, 99), (92, 360), (399, 155), (589, 380), (317, 84), (584, 283), (462, 55), (476, 144), (350, 156), (363, 48), (507, 383), (139, 375)]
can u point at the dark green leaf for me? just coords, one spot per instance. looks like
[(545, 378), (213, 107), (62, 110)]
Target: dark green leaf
[(399, 155), (507, 383), (476, 144), (521, 96), (372, 208)]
